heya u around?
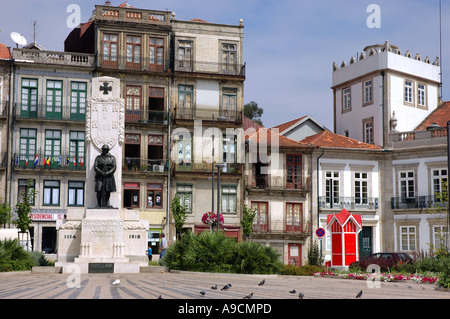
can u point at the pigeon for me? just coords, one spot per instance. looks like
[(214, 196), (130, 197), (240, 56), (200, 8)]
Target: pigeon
[(359, 294), (160, 297), (202, 292), (300, 296), (214, 287), (227, 286), (262, 282), (116, 282), (249, 296), (292, 291)]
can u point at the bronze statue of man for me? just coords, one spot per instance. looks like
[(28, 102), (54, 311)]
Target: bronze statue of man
[(104, 166)]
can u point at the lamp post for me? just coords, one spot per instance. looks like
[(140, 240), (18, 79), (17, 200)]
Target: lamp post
[(219, 166)]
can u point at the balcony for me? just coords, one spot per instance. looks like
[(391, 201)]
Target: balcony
[(417, 202), (141, 64), (204, 167), (54, 57), (206, 114), (278, 183), (42, 111), (280, 230), (54, 162), (146, 117), (421, 138), (359, 203), (133, 164), (218, 68)]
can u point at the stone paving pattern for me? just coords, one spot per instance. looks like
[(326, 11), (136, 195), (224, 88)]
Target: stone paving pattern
[(187, 285)]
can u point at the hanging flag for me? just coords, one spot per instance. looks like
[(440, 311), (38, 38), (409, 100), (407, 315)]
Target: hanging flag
[(17, 160), (59, 160), (81, 161), (48, 161), (26, 161), (74, 161), (67, 160), (36, 160)]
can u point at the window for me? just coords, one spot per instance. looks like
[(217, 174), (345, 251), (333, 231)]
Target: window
[(131, 195), (294, 217), (361, 188), (421, 95), (185, 194), (29, 98), (154, 195), (76, 149), (229, 58), (133, 52), (407, 184), (156, 62), (261, 221), (229, 149), (368, 131), (346, 99), (229, 200), (54, 99), (229, 103), (51, 192), (133, 103), (409, 92), (27, 146), (185, 98), (53, 147), (368, 92), (76, 193), (184, 157), (332, 188), (78, 94), (22, 187), (408, 238), (293, 171), (184, 59), (440, 236), (110, 47), (438, 177)]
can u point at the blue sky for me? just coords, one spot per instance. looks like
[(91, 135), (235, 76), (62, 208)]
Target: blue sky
[(289, 45)]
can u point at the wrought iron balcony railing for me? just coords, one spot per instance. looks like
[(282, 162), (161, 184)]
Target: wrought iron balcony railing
[(341, 202), (425, 201), (39, 110), (206, 114), (134, 164), (266, 182), (193, 66), (146, 116), (43, 161)]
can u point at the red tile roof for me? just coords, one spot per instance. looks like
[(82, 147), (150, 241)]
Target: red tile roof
[(284, 126), (440, 116), (5, 53), (327, 139), (262, 135)]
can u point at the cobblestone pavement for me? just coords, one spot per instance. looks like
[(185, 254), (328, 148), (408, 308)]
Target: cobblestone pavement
[(188, 285)]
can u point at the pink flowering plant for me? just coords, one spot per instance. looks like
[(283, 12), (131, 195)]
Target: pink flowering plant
[(210, 218)]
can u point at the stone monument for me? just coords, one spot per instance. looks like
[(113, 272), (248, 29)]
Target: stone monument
[(103, 237)]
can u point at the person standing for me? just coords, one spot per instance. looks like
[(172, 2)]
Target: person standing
[(149, 253)]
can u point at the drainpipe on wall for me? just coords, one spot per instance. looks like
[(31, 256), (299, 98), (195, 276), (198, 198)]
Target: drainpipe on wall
[(382, 105), (318, 219)]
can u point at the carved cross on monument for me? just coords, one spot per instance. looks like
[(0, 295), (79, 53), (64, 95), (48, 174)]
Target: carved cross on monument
[(105, 88)]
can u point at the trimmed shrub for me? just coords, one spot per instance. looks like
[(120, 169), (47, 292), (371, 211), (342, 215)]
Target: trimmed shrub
[(13, 256)]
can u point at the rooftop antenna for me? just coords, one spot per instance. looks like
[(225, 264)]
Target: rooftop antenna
[(18, 39), (34, 32)]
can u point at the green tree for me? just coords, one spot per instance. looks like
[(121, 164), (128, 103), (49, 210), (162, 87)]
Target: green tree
[(23, 208), (315, 258), (441, 207), (253, 112), (5, 209), (248, 216), (179, 214)]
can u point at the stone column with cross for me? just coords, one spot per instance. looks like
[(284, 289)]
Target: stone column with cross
[(105, 125)]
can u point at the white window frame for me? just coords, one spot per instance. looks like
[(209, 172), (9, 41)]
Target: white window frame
[(409, 92), (346, 99), (408, 238), (406, 182), (421, 95), (368, 91), (368, 131)]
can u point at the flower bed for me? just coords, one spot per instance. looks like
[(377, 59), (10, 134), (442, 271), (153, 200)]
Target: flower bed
[(417, 278)]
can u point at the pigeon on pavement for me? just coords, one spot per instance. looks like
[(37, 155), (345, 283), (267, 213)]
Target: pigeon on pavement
[(300, 296), (359, 294), (249, 296), (214, 287), (227, 286), (116, 282), (202, 292), (262, 282), (292, 291)]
